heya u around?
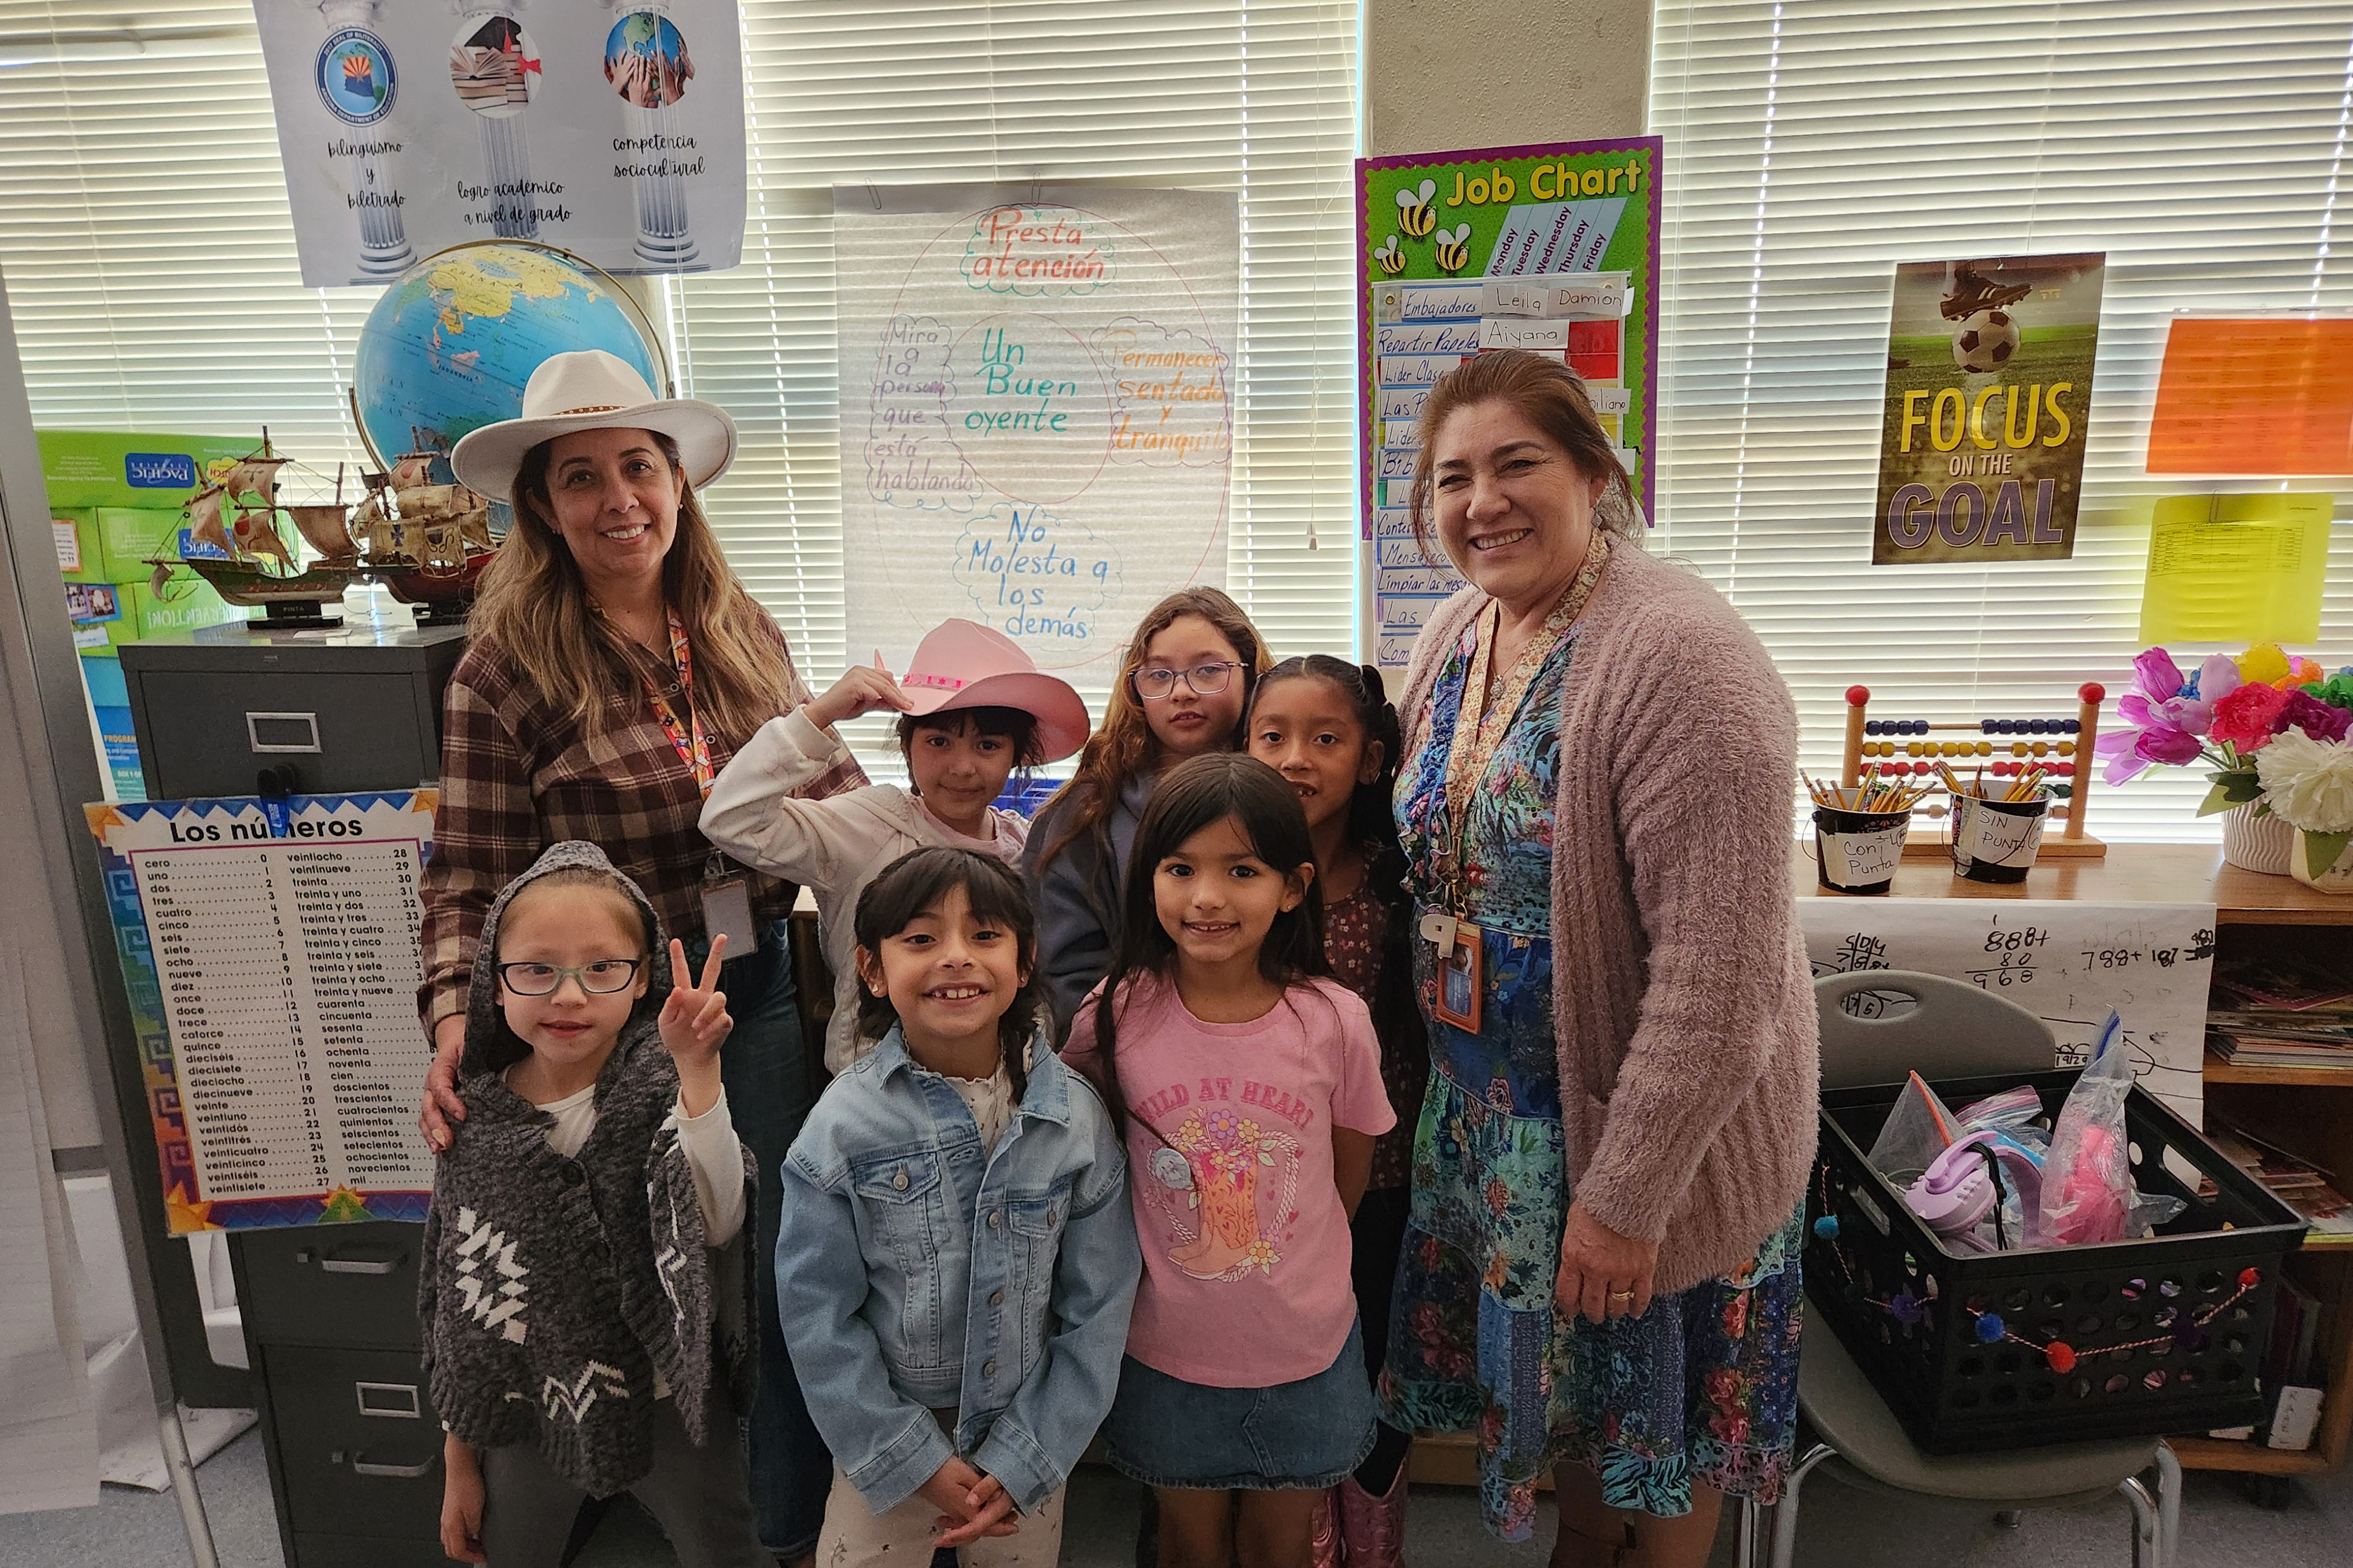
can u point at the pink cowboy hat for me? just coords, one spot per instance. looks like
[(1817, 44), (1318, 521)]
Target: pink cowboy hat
[(963, 664)]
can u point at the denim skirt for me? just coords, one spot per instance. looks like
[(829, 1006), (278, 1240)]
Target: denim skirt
[(1309, 1434)]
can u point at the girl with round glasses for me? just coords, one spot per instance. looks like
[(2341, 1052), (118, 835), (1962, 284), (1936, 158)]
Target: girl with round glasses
[(581, 1223), (1184, 685)]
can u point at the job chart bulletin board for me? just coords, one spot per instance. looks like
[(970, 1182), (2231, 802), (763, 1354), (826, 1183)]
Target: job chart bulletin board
[(1551, 248)]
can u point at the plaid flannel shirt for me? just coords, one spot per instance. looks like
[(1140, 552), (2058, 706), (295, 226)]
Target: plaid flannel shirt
[(518, 774)]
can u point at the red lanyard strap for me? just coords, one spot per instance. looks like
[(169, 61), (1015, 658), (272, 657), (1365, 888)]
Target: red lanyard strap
[(693, 747)]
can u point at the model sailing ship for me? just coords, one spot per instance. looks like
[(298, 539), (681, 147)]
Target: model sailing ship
[(427, 543)]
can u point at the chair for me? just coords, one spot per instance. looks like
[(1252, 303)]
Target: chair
[(1952, 1030)]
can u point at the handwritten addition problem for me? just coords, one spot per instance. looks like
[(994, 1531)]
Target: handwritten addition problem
[(288, 972), (2067, 963)]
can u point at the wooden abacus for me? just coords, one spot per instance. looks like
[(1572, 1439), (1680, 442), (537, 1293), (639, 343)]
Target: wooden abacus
[(2065, 744)]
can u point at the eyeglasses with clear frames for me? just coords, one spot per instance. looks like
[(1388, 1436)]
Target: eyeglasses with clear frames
[(1205, 679), (600, 978)]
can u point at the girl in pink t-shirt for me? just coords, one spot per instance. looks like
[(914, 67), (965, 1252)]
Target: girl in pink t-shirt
[(1248, 1088)]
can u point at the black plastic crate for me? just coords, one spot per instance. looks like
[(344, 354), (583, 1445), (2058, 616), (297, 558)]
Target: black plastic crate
[(1908, 1311)]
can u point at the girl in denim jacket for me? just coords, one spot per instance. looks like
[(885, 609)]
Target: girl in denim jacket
[(957, 1257)]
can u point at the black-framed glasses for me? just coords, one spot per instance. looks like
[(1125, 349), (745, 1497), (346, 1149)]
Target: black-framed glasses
[(600, 978), (1205, 679)]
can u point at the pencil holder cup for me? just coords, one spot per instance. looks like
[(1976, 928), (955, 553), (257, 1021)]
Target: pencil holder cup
[(1857, 851), (1995, 841)]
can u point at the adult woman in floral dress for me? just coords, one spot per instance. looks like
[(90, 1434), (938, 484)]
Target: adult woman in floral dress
[(1601, 1270)]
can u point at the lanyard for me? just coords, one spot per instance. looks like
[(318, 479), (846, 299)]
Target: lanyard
[(693, 748), (1473, 752)]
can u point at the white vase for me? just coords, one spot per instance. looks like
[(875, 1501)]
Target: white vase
[(2255, 843), (2336, 878)]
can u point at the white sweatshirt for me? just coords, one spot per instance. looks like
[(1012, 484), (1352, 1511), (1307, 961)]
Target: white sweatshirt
[(834, 845)]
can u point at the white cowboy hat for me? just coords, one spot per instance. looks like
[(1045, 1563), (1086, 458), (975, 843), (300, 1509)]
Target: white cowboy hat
[(592, 390)]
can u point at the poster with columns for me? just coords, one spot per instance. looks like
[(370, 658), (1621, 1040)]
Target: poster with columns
[(612, 129)]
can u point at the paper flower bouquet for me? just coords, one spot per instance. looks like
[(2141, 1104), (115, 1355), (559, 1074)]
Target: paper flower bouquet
[(2273, 730)]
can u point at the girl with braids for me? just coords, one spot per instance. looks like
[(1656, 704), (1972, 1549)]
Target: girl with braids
[(1247, 1087), (1325, 726), (1183, 686), (957, 1261)]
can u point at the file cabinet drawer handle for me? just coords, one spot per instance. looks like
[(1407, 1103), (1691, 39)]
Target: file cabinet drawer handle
[(362, 1466), (398, 1400), (267, 732), (336, 1263)]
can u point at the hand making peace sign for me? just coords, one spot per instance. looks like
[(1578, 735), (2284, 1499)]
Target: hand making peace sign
[(694, 1024)]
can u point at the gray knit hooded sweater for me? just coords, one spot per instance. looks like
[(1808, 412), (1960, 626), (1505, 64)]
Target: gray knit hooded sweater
[(554, 1290)]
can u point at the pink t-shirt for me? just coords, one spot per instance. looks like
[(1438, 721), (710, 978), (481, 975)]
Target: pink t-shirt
[(1245, 1242)]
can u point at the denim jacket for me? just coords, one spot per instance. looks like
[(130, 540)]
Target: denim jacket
[(915, 1274)]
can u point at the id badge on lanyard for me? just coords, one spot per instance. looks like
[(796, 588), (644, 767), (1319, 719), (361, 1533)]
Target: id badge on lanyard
[(1455, 938), (727, 908), (1461, 961)]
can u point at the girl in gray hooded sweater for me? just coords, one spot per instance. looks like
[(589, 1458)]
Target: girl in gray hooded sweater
[(584, 1299)]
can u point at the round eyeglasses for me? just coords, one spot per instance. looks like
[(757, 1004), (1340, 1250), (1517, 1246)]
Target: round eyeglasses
[(602, 978), (1205, 679)]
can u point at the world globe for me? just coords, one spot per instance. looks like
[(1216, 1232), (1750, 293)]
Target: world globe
[(451, 345)]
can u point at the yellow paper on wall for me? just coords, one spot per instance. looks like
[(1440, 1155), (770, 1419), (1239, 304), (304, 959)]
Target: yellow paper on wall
[(2236, 568)]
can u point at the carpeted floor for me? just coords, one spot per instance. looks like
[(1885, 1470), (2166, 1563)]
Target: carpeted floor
[(2219, 1529)]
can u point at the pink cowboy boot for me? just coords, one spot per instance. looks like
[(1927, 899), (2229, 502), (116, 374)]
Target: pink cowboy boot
[(1323, 1535), (1372, 1528)]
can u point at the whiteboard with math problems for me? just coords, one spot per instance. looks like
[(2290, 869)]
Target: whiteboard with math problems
[(1037, 410), (2065, 963)]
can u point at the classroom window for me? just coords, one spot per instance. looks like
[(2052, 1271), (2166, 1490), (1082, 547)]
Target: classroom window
[(151, 272), (1810, 144)]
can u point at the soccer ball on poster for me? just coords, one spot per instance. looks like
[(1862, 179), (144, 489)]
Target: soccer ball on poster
[(1985, 342)]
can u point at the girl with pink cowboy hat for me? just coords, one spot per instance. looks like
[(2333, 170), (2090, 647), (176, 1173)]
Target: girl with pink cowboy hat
[(972, 707)]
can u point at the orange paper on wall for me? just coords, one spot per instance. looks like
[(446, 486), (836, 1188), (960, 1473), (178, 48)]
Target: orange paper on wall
[(2261, 396)]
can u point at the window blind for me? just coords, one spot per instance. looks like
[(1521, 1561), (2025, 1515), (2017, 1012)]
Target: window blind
[(150, 255), (144, 231), (1811, 145), (1259, 99)]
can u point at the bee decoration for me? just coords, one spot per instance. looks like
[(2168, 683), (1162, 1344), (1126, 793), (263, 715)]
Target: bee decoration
[(1415, 214), (1453, 247)]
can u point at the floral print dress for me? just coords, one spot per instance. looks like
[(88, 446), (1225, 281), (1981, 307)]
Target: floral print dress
[(1355, 929), (1703, 1386)]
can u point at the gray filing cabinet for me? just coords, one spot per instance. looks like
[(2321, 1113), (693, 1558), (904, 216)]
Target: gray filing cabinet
[(330, 1312), (354, 1447), (322, 711)]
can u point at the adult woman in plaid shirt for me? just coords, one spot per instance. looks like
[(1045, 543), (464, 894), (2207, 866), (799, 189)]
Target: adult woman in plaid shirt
[(616, 665)]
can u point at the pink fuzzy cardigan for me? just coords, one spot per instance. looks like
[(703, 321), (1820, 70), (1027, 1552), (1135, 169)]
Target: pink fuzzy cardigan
[(1683, 1003)]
